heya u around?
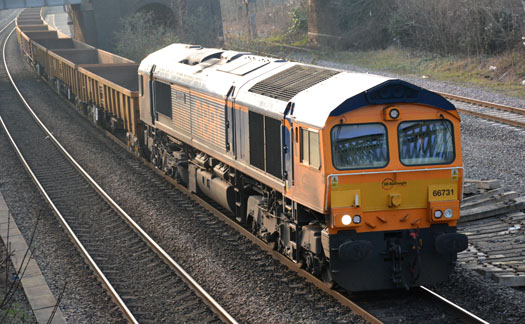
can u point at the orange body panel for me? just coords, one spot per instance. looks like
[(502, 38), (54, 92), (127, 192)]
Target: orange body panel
[(389, 198)]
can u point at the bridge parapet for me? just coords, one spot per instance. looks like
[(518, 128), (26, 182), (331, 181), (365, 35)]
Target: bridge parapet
[(15, 4)]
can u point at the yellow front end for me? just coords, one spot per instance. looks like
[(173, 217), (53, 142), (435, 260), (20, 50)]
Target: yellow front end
[(406, 190), (395, 200), (393, 194)]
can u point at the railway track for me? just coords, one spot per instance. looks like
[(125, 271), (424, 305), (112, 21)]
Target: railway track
[(461, 313), (423, 306), (374, 310), (341, 297), (143, 280), (488, 110)]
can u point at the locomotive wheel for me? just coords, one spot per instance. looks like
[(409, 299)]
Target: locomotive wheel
[(136, 151), (326, 275), (273, 241), (254, 226), (272, 245)]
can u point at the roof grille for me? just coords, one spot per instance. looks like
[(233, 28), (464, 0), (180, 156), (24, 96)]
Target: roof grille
[(286, 84)]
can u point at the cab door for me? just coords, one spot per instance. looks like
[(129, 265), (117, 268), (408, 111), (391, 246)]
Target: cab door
[(287, 153), (229, 107)]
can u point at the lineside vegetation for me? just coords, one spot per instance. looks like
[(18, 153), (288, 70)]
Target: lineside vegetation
[(140, 35), (477, 41)]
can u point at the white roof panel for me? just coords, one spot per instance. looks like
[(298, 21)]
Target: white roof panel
[(312, 106)]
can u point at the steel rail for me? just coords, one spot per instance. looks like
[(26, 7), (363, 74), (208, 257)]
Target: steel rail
[(465, 314), (9, 23), (98, 272), (492, 117), (482, 103), (520, 112), (208, 299)]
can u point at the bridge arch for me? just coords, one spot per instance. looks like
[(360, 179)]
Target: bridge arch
[(199, 21), (164, 12)]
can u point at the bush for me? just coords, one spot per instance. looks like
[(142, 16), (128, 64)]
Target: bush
[(139, 36), (458, 26), (364, 23), (299, 18), (201, 23)]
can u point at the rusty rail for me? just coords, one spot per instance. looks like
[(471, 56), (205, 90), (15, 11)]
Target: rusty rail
[(497, 114)]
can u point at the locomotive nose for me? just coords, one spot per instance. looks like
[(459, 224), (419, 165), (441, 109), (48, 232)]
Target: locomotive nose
[(451, 243), (355, 250)]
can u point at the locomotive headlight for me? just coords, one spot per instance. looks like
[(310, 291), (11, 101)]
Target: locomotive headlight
[(393, 113), (438, 213), (448, 213), (346, 220), (356, 219)]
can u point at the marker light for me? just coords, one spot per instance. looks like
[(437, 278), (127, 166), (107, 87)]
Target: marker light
[(448, 213), (356, 219), (346, 220), (438, 213), (394, 113)]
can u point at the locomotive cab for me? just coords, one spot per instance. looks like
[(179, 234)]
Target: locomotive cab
[(393, 187)]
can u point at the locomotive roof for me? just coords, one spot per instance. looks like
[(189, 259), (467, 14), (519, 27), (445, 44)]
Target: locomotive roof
[(267, 85)]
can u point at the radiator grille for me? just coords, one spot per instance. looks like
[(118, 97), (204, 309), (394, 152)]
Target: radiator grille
[(286, 84), (208, 121), (199, 118), (181, 111)]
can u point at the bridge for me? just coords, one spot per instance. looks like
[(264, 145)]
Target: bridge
[(96, 21), (15, 4)]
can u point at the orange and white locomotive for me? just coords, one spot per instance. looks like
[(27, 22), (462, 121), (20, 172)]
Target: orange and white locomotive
[(354, 176), (357, 177)]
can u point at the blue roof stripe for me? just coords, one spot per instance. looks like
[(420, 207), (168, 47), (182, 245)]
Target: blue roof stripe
[(414, 93)]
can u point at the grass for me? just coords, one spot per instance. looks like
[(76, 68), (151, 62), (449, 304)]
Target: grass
[(505, 76), (16, 314)]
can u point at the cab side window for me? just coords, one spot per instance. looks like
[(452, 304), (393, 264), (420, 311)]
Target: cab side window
[(310, 151), (141, 85)]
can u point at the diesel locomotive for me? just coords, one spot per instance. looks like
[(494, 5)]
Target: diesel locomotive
[(353, 176)]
